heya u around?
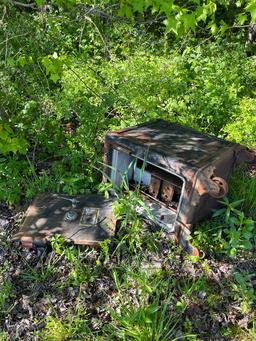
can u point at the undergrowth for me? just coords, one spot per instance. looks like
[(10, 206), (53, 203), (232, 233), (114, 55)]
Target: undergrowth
[(59, 95), (139, 285)]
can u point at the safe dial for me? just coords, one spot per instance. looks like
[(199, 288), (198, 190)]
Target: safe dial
[(71, 216)]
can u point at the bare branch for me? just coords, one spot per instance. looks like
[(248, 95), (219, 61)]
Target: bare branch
[(13, 37), (90, 10), (240, 26), (251, 36), (4, 13), (21, 4)]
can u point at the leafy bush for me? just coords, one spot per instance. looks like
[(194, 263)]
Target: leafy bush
[(243, 289), (242, 184), (243, 127), (59, 94), (230, 232)]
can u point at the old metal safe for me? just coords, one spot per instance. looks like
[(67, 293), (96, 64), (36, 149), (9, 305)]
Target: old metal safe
[(181, 174)]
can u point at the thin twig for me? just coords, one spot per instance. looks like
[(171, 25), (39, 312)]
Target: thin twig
[(21, 4), (101, 36), (239, 26), (13, 37), (81, 35), (44, 76), (4, 12), (6, 50), (97, 12)]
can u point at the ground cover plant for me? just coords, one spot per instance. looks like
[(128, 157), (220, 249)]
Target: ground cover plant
[(69, 72)]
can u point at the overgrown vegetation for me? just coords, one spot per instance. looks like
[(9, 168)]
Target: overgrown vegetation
[(69, 72)]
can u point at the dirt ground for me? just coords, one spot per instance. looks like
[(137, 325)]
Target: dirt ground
[(213, 307)]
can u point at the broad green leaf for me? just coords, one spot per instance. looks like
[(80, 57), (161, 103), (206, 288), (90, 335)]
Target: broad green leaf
[(166, 7), (211, 7), (138, 6), (201, 13), (54, 77), (242, 18), (171, 25), (232, 252), (40, 2), (251, 7), (4, 135), (247, 235), (189, 21), (233, 220), (247, 244), (125, 10)]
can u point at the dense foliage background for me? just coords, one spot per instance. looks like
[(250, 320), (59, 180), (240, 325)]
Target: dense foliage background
[(72, 70)]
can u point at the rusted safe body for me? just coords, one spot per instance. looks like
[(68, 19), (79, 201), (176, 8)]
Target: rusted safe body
[(181, 173)]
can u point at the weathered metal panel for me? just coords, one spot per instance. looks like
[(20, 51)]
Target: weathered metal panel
[(174, 141), (81, 219)]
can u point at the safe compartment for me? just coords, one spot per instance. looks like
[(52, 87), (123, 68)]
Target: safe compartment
[(161, 189)]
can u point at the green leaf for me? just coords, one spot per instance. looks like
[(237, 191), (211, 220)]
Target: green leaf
[(138, 6), (245, 307), (242, 18), (125, 10), (211, 7), (40, 2), (246, 244), (171, 25), (54, 77), (223, 27), (11, 61), (251, 7), (232, 252), (247, 235), (22, 60), (201, 13), (189, 21), (166, 7), (214, 28), (233, 221), (219, 212), (236, 203), (6, 127)]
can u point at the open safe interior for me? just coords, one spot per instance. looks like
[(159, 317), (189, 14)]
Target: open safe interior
[(161, 188)]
